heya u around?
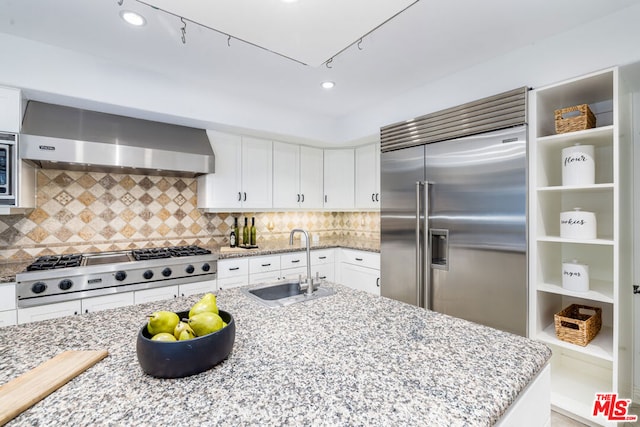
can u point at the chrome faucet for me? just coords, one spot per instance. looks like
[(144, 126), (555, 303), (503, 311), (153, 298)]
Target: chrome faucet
[(309, 280)]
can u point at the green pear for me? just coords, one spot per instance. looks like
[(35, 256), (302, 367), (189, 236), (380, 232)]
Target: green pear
[(186, 334), (162, 321), (206, 303), (205, 323), (163, 336), (180, 327)]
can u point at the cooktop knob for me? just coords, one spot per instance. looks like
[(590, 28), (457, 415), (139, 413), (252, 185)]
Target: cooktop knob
[(189, 269), (166, 272), (206, 266), (65, 284), (38, 287), (120, 276), (147, 274)]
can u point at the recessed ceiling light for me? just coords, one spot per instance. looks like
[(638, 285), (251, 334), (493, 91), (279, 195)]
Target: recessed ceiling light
[(328, 85), (132, 18)]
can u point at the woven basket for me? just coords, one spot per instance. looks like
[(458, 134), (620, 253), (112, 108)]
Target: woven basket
[(577, 327), (571, 119)]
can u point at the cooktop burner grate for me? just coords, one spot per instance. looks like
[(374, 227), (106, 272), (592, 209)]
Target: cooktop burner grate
[(50, 262)]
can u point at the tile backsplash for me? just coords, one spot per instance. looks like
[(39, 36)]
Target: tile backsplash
[(93, 212)]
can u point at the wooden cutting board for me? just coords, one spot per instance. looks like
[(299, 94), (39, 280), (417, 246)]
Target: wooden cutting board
[(29, 388)]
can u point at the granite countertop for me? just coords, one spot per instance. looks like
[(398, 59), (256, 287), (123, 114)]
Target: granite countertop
[(347, 359), (8, 270)]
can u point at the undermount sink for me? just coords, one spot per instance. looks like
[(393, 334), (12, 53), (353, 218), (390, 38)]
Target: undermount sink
[(279, 294)]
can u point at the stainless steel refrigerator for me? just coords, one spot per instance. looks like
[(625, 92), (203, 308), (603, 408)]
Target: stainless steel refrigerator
[(453, 227)]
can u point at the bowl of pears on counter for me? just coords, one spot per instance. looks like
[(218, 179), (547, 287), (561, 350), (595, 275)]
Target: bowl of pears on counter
[(175, 345)]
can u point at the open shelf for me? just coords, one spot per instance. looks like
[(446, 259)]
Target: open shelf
[(556, 239), (600, 347), (591, 189), (599, 290)]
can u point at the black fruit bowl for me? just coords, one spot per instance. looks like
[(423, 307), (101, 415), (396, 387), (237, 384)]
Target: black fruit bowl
[(183, 358)]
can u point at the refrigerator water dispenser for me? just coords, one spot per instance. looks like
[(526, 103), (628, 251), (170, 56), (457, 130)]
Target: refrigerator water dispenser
[(439, 249)]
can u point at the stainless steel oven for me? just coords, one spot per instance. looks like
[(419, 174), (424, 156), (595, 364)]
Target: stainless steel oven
[(8, 161)]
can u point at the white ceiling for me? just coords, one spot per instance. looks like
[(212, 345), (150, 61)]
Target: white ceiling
[(428, 41), (307, 31)]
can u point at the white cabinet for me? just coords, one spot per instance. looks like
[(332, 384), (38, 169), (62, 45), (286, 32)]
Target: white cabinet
[(7, 296), (297, 176), (233, 272), (195, 288), (605, 364), (360, 270), (323, 264), (8, 318), (49, 311), (367, 187), (122, 299), (10, 110), (155, 294), (339, 179), (243, 175), (264, 269)]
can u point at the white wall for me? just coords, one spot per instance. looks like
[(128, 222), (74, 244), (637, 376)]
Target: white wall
[(611, 40)]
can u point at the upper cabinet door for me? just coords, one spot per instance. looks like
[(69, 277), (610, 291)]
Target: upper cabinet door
[(286, 175), (339, 179), (257, 169), (311, 178), (223, 189), (368, 177), (9, 110)]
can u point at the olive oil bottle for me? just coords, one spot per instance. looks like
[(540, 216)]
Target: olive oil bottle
[(245, 233), (253, 231)]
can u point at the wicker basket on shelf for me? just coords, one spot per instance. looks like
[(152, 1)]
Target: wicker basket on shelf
[(576, 326), (571, 119)]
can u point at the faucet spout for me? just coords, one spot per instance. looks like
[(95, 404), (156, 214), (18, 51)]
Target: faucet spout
[(308, 249)]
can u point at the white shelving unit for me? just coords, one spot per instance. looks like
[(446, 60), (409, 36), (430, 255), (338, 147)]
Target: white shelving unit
[(605, 364)]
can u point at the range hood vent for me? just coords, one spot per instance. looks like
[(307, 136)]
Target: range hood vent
[(59, 137)]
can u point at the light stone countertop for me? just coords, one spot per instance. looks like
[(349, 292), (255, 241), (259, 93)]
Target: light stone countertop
[(348, 359), (8, 270)]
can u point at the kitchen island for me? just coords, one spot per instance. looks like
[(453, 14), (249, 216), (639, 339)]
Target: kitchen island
[(347, 359)]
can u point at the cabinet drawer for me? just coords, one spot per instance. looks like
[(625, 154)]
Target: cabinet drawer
[(293, 273), (8, 296), (49, 311), (322, 256), (361, 258), (266, 277), (197, 288), (233, 267), (296, 259), (106, 302), (155, 294), (264, 264), (325, 272), (233, 282)]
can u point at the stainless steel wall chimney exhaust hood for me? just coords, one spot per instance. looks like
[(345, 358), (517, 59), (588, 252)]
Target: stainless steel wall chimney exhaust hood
[(59, 137)]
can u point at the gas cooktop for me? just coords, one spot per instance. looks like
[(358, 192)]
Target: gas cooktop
[(56, 278)]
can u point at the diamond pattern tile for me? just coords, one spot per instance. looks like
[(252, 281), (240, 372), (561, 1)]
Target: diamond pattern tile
[(88, 212)]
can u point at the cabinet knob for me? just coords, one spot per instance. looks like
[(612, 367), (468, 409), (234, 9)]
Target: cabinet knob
[(245, 197), (373, 197), (298, 198), (378, 282), (303, 198), (325, 198), (377, 197), (239, 196)]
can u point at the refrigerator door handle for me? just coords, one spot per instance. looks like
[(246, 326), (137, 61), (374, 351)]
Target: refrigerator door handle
[(426, 265), (423, 247), (419, 282)]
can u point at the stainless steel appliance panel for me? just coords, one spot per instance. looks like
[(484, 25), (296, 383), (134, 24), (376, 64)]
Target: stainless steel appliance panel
[(400, 171), (478, 197)]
